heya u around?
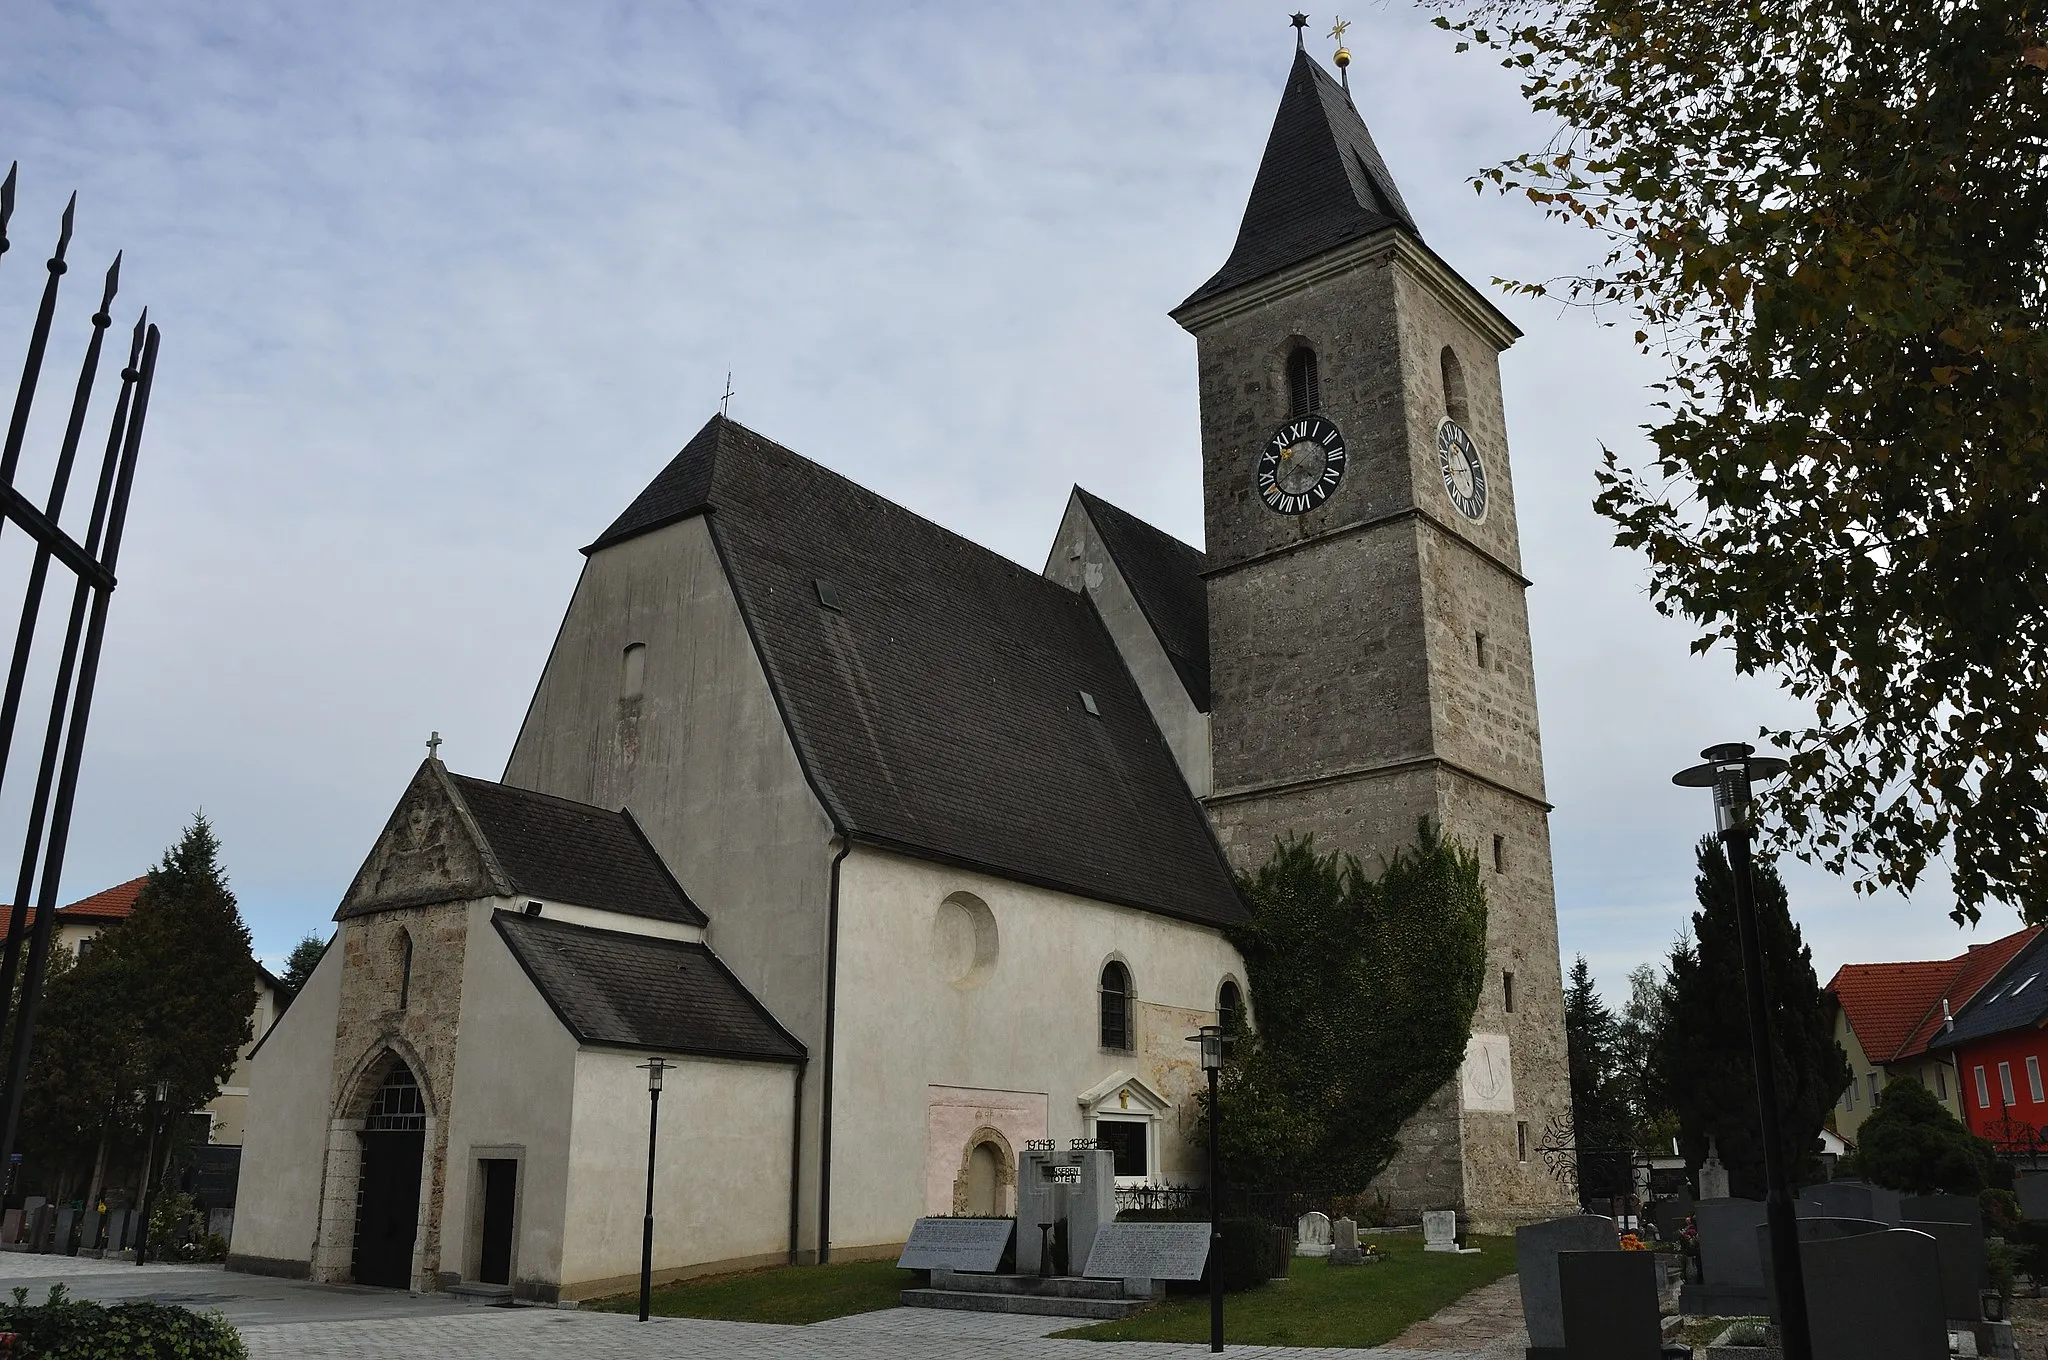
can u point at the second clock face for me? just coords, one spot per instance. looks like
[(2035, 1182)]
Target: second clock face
[(1300, 465)]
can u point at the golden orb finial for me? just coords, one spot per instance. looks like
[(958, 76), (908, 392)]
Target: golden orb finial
[(1343, 52)]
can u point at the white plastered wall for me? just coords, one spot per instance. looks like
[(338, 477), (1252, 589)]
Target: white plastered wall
[(1028, 1022), (514, 1083), (277, 1204), (721, 1181)]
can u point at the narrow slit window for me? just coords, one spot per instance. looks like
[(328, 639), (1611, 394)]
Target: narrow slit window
[(1983, 1091), (404, 969), (1500, 854), (1521, 1140), (1455, 404), (633, 671), (2005, 1083), (1479, 649), (1304, 388), (1507, 991), (2034, 1080)]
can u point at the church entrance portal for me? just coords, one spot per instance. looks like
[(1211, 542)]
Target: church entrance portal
[(394, 1141)]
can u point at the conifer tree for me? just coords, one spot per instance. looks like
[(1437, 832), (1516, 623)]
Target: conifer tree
[(300, 963), (1705, 1051), (1600, 1117)]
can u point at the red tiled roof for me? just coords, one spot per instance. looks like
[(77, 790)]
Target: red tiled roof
[(1895, 1008), (110, 904)]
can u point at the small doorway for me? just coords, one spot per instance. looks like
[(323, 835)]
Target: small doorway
[(394, 1139), (501, 1189)]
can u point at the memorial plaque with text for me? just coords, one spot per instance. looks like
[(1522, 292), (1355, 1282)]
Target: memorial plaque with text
[(1149, 1251), (970, 1244)]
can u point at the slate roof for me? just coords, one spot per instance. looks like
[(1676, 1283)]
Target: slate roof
[(2017, 998), (635, 991), (572, 852), (1321, 184), (1895, 1008), (937, 709), (1165, 575)]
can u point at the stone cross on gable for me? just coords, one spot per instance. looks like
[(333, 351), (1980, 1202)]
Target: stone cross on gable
[(433, 746)]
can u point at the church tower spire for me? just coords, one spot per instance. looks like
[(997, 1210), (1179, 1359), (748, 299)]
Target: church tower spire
[(1369, 653), (1322, 183)]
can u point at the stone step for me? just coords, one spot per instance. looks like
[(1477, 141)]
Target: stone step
[(1054, 1286), (1102, 1310), (486, 1295)]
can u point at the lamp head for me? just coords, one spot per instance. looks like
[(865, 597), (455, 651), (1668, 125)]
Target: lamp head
[(654, 1068), (1210, 1037), (1729, 771)]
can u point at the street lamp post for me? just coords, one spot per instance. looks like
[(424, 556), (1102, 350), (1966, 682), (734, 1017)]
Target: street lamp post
[(654, 1067), (1211, 1040), (1728, 771)]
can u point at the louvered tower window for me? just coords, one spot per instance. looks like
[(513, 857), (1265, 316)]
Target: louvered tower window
[(1304, 391), (1116, 1006)]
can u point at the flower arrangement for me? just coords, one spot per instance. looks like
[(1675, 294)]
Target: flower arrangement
[(1631, 1242)]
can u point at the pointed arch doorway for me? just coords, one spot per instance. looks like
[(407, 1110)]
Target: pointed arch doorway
[(394, 1138)]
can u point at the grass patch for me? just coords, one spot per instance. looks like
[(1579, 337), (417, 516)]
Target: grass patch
[(787, 1294), (1322, 1306)]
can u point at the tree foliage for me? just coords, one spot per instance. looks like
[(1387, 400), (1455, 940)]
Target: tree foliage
[(300, 963), (1912, 1143), (1600, 1110), (1638, 1034), (1827, 218), (1363, 990), (1704, 1055)]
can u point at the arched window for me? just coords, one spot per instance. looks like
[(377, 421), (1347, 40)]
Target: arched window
[(404, 969), (633, 671), (1304, 392), (1229, 1006), (1455, 404), (1116, 1006), (397, 1106)]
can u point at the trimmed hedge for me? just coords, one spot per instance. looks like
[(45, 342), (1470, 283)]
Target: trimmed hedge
[(62, 1328), (1244, 1256)]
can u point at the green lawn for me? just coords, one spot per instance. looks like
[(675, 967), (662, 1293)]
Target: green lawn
[(799, 1294), (1322, 1306)]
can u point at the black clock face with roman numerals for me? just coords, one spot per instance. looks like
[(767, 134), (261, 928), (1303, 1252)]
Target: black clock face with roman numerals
[(1464, 474), (1300, 466)]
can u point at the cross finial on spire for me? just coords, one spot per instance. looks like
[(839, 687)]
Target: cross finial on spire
[(1300, 22), (1343, 53), (726, 400), (433, 746)]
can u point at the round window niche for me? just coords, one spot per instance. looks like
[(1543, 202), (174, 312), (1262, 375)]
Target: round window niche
[(964, 940)]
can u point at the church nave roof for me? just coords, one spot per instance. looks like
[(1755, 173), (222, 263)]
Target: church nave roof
[(936, 700)]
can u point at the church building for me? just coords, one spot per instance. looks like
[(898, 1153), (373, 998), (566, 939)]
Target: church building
[(905, 856)]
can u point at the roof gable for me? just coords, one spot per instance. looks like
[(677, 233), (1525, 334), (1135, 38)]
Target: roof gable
[(430, 851), (1885, 1001), (1165, 576), (621, 990), (1321, 183), (936, 704), (2015, 997), (1974, 970)]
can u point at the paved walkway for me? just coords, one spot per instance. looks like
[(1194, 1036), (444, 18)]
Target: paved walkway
[(292, 1320)]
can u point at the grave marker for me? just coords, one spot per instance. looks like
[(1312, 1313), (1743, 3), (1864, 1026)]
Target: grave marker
[(1538, 1248), (1345, 1251), (1874, 1296), (1149, 1251), (967, 1244), (1609, 1305), (1312, 1234)]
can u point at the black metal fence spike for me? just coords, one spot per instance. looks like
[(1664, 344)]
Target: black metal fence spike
[(64, 234), (7, 202), (103, 317)]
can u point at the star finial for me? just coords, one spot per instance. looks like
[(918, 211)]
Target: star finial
[(1300, 22)]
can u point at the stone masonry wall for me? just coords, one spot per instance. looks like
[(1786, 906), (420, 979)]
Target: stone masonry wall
[(423, 1033)]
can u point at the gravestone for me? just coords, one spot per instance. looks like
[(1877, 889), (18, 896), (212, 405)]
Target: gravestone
[(41, 1223), (2033, 1193), (1964, 1271), (1439, 1230), (1811, 1230), (1149, 1251), (1312, 1234), (1537, 1250), (1609, 1305), (1668, 1217), (1850, 1199), (1731, 1270), (1713, 1176), (974, 1245), (1874, 1296), (1345, 1252), (10, 1226), (1941, 1209), (67, 1219), (1091, 1205)]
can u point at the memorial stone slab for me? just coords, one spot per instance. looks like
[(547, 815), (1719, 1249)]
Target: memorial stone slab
[(1713, 1175), (1091, 1204), (1537, 1249), (10, 1226), (1811, 1230), (1439, 1230), (974, 1245), (1609, 1305), (1345, 1252), (1875, 1296), (2033, 1193), (1964, 1271), (67, 1219), (1149, 1251), (1312, 1234), (1851, 1199), (1668, 1217)]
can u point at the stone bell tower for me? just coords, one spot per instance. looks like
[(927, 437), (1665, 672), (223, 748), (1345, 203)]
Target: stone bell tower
[(1369, 641)]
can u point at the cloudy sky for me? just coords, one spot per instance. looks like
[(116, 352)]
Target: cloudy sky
[(442, 286)]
